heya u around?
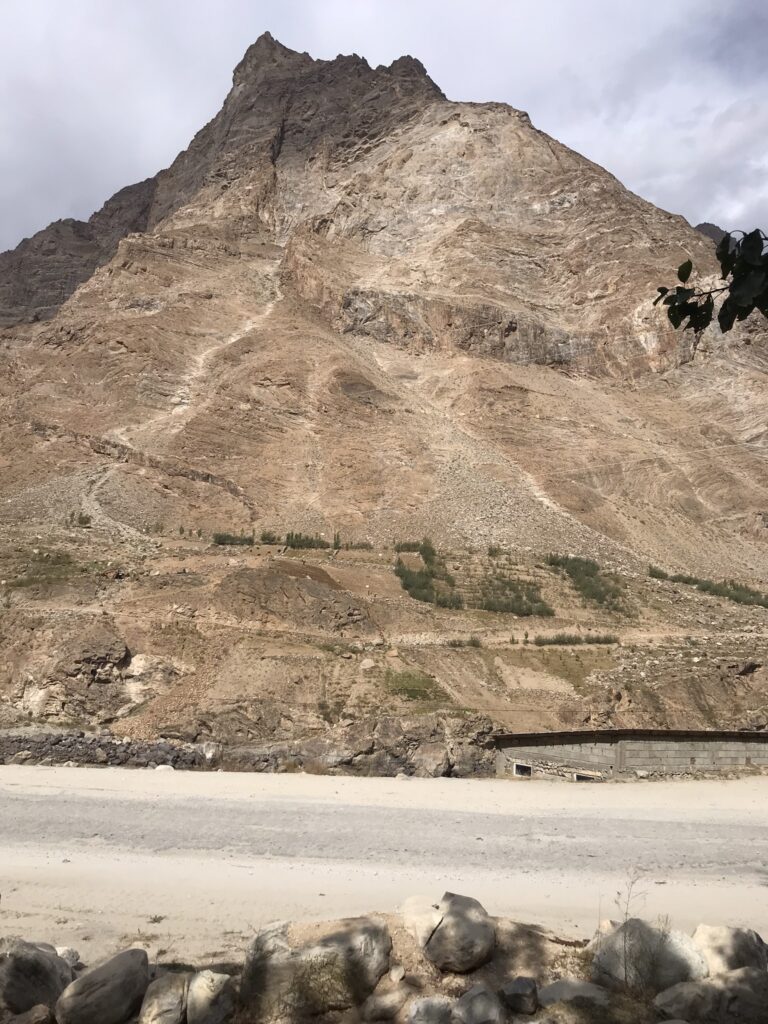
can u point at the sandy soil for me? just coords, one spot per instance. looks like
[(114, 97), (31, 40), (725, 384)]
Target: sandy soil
[(191, 864)]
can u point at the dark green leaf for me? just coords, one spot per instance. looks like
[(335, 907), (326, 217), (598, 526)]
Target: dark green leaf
[(751, 248), (676, 315), (744, 289), (727, 316), (726, 254), (684, 271)]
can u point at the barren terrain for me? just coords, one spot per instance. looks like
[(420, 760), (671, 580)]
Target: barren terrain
[(353, 307)]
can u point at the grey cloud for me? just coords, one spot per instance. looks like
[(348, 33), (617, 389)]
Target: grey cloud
[(669, 97)]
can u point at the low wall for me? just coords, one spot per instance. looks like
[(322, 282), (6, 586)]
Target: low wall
[(628, 752)]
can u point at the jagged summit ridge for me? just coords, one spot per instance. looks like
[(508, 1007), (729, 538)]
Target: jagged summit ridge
[(277, 94)]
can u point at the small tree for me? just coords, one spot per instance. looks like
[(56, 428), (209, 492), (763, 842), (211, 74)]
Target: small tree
[(744, 266)]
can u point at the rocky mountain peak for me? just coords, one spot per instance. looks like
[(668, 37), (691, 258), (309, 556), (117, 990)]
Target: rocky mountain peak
[(265, 53)]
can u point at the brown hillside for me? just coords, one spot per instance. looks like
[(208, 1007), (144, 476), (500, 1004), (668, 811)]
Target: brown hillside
[(352, 305)]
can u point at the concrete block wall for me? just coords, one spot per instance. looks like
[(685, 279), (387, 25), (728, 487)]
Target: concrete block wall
[(657, 755)]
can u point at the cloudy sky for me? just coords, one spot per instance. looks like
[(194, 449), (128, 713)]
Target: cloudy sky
[(670, 95)]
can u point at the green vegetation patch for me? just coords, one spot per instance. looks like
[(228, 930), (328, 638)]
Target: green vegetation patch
[(729, 589), (569, 639), (432, 584), (51, 566), (235, 539), (473, 641), (305, 541), (500, 593), (414, 685), (588, 580)]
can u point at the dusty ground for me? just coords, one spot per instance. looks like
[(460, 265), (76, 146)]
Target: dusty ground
[(192, 864)]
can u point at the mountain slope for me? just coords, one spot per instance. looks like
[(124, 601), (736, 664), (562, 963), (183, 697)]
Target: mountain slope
[(352, 305)]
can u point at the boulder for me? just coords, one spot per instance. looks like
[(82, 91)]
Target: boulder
[(420, 917), (465, 937), (521, 995), (69, 955), (569, 990), (30, 975), (339, 971), (479, 1005), (210, 998), (107, 994), (431, 760), (165, 1001), (364, 945), (736, 997), (640, 957), (728, 949), (430, 1010), (37, 1015), (384, 1005)]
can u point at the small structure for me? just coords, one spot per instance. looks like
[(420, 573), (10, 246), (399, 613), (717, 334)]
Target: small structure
[(591, 756)]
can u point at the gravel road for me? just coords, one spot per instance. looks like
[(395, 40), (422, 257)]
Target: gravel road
[(95, 855)]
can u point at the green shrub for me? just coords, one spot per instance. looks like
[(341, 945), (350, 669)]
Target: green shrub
[(475, 641), (337, 541), (728, 589), (508, 595), (359, 545), (83, 519), (427, 551), (304, 540), (494, 551), (235, 539), (452, 600), (407, 545), (414, 685), (570, 639), (587, 579), (268, 537)]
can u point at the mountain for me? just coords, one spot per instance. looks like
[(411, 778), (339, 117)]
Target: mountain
[(352, 306), (711, 231)]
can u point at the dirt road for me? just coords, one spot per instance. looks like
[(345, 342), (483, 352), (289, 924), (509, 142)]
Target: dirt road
[(192, 863)]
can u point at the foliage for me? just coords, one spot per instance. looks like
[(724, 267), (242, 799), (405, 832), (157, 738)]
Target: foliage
[(268, 537), (586, 577), (414, 685), (744, 266), (494, 551), (419, 583), (729, 589), (433, 583), (304, 540), (358, 545), (407, 545), (570, 639), (234, 539), (336, 541), (513, 596)]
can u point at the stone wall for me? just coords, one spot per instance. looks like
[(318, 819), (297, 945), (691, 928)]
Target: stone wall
[(604, 755)]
